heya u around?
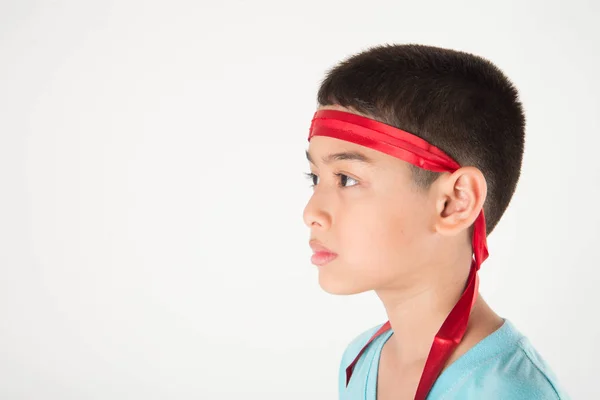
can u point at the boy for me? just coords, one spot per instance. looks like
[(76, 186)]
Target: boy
[(415, 152)]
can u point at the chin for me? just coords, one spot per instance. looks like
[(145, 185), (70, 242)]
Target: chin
[(340, 286)]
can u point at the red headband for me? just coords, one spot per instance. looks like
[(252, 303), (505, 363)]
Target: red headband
[(414, 150)]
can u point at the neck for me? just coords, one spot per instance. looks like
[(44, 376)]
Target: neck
[(416, 316)]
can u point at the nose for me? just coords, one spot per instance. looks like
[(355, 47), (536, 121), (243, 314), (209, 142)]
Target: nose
[(315, 215)]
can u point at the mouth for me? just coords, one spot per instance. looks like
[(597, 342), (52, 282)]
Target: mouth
[(322, 255)]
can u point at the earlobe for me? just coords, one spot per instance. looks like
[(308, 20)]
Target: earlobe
[(462, 195)]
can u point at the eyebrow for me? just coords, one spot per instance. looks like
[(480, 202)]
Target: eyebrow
[(346, 155)]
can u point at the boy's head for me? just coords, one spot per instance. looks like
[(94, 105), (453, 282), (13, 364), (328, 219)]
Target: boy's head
[(393, 224)]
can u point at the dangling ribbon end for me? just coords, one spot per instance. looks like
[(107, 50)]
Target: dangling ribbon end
[(348, 374)]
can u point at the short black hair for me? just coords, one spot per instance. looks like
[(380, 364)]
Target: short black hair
[(457, 101)]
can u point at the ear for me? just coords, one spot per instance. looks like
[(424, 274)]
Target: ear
[(460, 198)]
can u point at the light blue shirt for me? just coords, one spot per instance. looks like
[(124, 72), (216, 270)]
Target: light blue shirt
[(504, 366)]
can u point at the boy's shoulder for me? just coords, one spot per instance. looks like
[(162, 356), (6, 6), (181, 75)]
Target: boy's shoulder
[(513, 370), (515, 375), (531, 375)]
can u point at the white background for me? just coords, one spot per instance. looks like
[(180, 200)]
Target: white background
[(151, 191)]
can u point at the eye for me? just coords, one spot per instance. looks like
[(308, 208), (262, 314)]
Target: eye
[(312, 177), (343, 179)]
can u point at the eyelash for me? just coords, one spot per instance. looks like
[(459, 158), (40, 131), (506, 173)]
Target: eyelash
[(311, 176)]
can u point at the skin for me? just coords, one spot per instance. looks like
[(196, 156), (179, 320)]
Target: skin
[(411, 246)]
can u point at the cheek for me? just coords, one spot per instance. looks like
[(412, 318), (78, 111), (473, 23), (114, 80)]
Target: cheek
[(379, 242)]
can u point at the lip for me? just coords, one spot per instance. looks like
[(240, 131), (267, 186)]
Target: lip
[(322, 255)]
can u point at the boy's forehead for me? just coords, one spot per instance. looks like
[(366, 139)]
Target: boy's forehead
[(325, 150), (324, 146), (321, 147), (325, 143)]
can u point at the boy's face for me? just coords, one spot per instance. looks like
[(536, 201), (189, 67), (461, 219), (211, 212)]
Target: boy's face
[(373, 216)]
